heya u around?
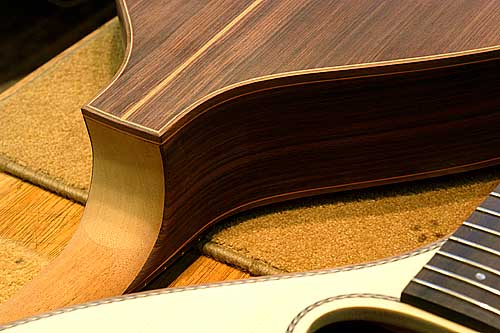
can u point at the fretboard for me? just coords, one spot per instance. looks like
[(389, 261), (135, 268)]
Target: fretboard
[(462, 281)]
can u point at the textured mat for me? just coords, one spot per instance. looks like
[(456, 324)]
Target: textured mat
[(43, 140), (42, 134), (358, 226)]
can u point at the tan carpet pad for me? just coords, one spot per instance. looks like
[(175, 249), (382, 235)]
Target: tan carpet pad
[(359, 226), (43, 139), (41, 125)]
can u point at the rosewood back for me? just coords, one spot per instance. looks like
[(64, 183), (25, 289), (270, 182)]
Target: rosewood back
[(227, 105), (189, 50)]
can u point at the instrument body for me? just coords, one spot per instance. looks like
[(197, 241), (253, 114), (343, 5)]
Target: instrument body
[(240, 122), (291, 303), (267, 103)]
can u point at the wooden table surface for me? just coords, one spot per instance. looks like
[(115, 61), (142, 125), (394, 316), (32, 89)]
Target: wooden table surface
[(45, 222)]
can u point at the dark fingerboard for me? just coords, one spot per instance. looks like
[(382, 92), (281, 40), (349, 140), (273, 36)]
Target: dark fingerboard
[(462, 281)]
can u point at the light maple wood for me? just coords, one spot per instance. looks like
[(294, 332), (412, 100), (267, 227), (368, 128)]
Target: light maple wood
[(45, 222)]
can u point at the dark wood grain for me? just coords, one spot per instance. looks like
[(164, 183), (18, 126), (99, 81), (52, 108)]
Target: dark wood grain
[(327, 136), (163, 35), (224, 106), (278, 37), (229, 144)]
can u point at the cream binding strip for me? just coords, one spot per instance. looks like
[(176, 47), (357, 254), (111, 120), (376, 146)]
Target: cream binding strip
[(308, 287)]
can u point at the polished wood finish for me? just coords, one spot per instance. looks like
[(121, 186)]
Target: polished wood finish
[(225, 106), (275, 123), (272, 38), (274, 146)]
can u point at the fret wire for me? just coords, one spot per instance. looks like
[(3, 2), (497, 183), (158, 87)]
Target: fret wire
[(480, 227), (463, 279), (475, 245), (495, 194), (488, 211), (469, 262), (455, 294)]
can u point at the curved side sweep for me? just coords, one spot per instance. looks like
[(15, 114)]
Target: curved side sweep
[(116, 234)]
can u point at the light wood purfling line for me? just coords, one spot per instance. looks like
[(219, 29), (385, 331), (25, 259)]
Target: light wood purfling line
[(117, 232), (196, 55)]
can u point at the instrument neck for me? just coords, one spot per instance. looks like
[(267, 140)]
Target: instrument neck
[(461, 282)]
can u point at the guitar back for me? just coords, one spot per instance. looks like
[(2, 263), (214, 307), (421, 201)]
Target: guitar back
[(183, 52)]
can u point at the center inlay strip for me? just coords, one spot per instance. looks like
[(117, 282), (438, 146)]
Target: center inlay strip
[(189, 61)]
